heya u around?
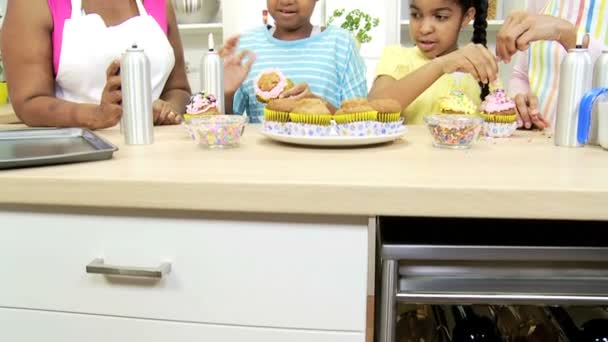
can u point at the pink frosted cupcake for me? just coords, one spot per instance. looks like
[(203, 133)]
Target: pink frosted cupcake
[(201, 104), (270, 84), (499, 115)]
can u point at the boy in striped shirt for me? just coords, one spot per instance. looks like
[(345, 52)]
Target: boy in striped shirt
[(325, 65)]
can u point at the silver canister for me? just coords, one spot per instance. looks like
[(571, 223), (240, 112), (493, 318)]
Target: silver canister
[(212, 74), (136, 97), (575, 81), (600, 80)]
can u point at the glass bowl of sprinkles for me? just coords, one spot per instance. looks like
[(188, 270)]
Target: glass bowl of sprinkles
[(454, 131), (217, 131)]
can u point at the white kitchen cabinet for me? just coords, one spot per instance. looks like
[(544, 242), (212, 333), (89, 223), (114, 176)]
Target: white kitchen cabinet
[(35, 326), (254, 271)]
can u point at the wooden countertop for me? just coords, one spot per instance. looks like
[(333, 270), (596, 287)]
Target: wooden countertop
[(525, 176), (7, 115)]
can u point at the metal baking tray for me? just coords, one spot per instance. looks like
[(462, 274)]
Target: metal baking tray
[(50, 146)]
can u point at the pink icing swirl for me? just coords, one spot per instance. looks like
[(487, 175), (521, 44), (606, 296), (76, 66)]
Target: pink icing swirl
[(497, 102), (200, 103), (274, 92)]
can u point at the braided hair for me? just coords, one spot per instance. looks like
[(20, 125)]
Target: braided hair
[(480, 26)]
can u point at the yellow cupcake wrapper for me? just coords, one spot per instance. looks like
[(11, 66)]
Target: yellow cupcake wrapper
[(273, 115), (313, 119), (354, 117), (389, 117), (499, 118), (188, 117)]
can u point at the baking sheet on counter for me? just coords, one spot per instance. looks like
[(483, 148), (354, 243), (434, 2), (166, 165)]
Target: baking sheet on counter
[(49, 146)]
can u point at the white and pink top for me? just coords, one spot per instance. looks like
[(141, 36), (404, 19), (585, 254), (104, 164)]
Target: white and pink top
[(83, 47)]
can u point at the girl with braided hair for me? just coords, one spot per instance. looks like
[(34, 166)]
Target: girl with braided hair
[(419, 76)]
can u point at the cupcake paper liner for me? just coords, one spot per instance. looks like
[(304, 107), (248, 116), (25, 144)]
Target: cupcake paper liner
[(189, 117), (356, 117), (389, 117), (273, 115), (309, 130), (313, 119), (353, 129), (498, 130), (276, 127), (499, 118), (369, 128)]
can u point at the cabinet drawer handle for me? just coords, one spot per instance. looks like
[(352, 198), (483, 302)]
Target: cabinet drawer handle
[(97, 266)]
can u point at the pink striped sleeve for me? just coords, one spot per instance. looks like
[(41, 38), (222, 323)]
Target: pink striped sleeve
[(520, 82), (158, 10), (60, 10)]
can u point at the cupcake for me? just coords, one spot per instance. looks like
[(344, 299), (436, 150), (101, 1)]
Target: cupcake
[(270, 84), (358, 109), (279, 109), (499, 114), (310, 117), (356, 117), (276, 115), (201, 104), (356, 102), (389, 116), (388, 110), (457, 102)]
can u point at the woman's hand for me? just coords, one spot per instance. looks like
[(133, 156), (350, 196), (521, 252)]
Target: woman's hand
[(528, 114), (299, 91), (522, 28), (235, 71), (474, 59), (109, 111), (165, 114)]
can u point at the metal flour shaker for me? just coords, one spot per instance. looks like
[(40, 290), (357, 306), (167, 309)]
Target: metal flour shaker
[(575, 81), (212, 74), (600, 80), (136, 97)]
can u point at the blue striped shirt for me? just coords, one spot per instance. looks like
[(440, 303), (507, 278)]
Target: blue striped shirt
[(329, 62)]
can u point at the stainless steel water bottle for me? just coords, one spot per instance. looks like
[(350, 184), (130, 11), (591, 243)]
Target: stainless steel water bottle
[(212, 74), (600, 80), (136, 97), (575, 81)]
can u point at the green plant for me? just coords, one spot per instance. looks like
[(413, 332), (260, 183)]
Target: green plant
[(357, 22)]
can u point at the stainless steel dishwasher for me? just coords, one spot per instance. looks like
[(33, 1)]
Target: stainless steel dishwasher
[(459, 267)]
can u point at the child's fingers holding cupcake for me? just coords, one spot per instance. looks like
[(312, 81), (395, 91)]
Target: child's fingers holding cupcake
[(299, 91)]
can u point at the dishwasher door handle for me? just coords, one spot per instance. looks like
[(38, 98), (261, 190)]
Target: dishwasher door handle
[(499, 298)]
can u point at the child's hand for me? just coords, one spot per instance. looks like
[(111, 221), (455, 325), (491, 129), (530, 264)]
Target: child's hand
[(528, 114), (474, 59), (235, 71), (299, 91)]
